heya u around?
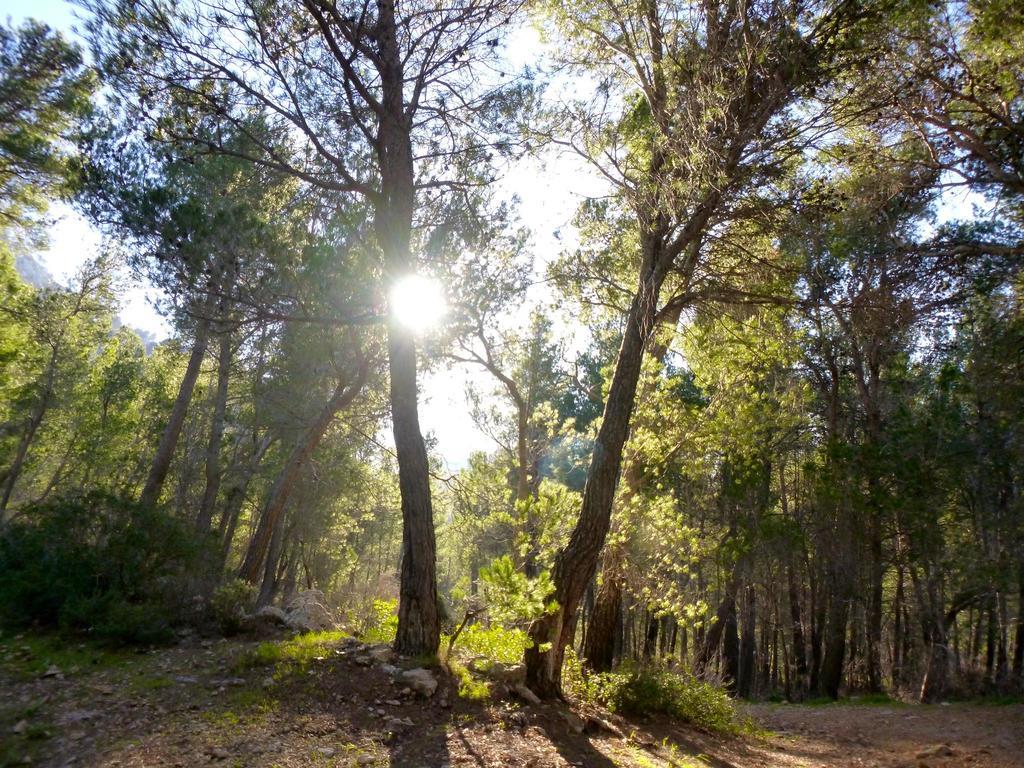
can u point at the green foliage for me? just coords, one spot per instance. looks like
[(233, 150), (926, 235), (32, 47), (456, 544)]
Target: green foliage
[(639, 690), (230, 603), (44, 91), (511, 596), (496, 642), (382, 623), (97, 564)]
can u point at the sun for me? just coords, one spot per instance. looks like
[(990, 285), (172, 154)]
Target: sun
[(418, 302)]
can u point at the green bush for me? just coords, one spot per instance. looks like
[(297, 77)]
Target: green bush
[(495, 642), (230, 602), (640, 690), (382, 624), (95, 563)]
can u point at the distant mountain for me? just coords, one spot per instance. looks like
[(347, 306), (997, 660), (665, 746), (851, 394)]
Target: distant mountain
[(33, 271)]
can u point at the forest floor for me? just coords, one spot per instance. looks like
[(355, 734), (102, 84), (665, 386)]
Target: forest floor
[(301, 703)]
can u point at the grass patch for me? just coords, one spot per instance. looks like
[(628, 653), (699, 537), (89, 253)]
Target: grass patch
[(296, 654), (150, 683), (25, 746), (469, 687), (27, 656)]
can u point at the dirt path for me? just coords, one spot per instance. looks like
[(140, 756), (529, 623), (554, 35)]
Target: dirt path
[(899, 736), (208, 704)]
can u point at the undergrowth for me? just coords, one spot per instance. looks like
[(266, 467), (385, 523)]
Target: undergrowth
[(649, 690), (297, 653)]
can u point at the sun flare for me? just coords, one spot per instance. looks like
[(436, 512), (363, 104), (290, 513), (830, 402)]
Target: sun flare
[(418, 302)]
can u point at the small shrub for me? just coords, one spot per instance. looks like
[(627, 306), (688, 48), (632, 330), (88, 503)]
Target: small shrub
[(95, 563), (640, 690), (382, 623), (230, 603), (495, 642)]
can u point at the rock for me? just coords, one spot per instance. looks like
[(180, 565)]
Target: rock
[(366, 760), (576, 725), (940, 750), (326, 751), (381, 653), (307, 612), (510, 674), (20, 727), (52, 671), (525, 694), (421, 681), (393, 702), (269, 617), (389, 669), (219, 753), (268, 682), (363, 661), (186, 679), (595, 723)]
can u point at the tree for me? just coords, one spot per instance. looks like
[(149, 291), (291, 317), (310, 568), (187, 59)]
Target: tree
[(707, 91), (380, 101), (44, 94)]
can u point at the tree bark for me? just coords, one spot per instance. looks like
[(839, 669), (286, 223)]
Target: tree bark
[(599, 645), (172, 431)]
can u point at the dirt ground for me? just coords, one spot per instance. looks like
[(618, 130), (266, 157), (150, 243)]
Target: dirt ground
[(198, 704)]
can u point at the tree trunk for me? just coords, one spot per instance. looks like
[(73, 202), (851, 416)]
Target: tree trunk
[(169, 439), (303, 449), (236, 497), (576, 562), (831, 675), (213, 447), (419, 629), (799, 651), (31, 428), (599, 645), (747, 645)]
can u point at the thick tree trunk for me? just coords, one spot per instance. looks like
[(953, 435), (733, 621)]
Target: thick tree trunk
[(303, 449), (577, 561), (831, 676), (651, 636), (600, 640), (169, 439), (599, 644), (213, 447)]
